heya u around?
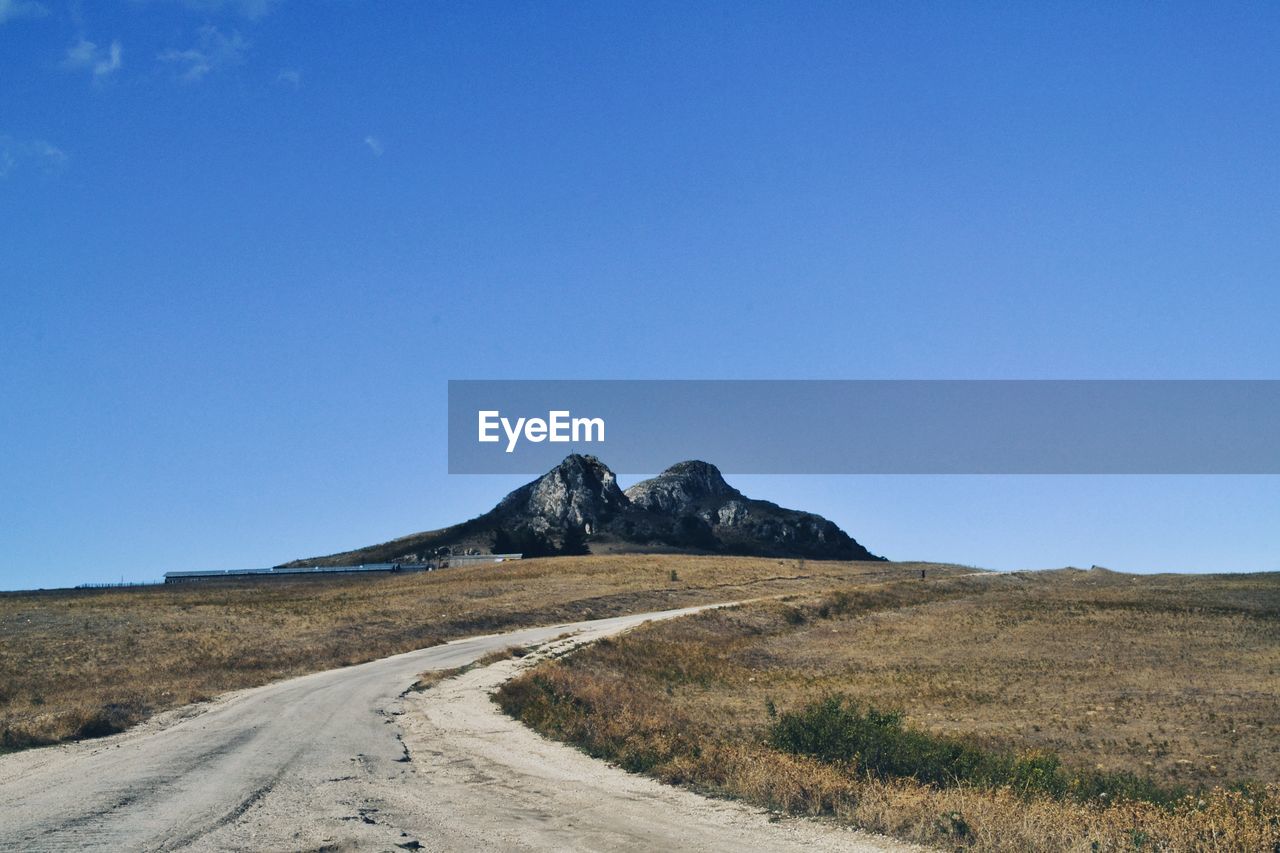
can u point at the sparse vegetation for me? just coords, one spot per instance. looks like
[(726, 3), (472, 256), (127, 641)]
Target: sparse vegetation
[(83, 663), (432, 677), (1053, 711)]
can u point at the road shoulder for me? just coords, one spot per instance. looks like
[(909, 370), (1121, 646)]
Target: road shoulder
[(504, 786)]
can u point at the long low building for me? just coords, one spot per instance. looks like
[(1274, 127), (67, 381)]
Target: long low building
[(474, 559), (214, 574), (369, 568)]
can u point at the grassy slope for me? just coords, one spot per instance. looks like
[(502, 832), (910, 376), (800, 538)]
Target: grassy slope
[(87, 662), (1176, 679)]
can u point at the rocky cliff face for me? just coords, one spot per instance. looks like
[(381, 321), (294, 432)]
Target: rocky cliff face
[(681, 488), (578, 504), (704, 511), (580, 492)]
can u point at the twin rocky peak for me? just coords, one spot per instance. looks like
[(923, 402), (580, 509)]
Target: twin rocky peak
[(577, 507)]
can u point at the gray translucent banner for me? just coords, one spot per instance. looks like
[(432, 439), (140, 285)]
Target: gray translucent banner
[(870, 426)]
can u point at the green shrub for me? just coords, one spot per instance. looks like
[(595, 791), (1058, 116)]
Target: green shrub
[(838, 731)]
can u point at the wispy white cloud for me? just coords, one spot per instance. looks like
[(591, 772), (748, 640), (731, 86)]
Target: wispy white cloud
[(213, 50), (16, 154), (289, 77), (251, 9), (51, 156), (11, 10), (375, 145), (102, 61)]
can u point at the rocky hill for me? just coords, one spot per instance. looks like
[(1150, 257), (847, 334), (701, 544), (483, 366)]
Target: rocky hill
[(578, 507)]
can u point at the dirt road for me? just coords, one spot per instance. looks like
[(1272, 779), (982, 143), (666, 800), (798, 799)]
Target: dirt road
[(346, 760)]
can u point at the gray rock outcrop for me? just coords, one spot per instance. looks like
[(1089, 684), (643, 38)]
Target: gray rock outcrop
[(688, 508)]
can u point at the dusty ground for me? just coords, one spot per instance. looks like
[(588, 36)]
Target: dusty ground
[(76, 663), (348, 760)]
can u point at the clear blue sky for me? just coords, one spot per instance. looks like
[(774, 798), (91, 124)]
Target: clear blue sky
[(244, 244)]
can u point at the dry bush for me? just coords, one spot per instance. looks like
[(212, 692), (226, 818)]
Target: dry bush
[(432, 677), (502, 654)]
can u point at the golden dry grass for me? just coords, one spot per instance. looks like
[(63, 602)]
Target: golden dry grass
[(1173, 678), (77, 663)]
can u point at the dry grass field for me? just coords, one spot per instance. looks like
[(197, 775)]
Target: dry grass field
[(1067, 710), (81, 663)]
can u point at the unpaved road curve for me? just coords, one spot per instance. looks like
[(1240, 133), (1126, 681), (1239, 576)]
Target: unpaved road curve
[(345, 760)]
